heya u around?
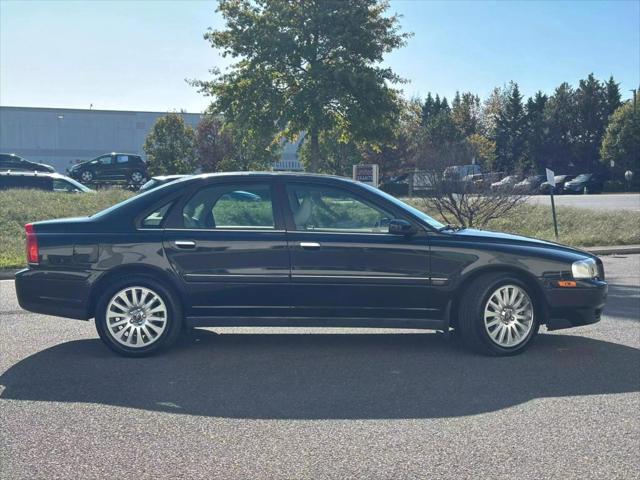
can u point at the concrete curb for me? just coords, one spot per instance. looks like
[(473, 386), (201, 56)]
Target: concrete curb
[(8, 274)]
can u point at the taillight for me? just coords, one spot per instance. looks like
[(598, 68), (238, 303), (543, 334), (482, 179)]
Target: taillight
[(32, 244)]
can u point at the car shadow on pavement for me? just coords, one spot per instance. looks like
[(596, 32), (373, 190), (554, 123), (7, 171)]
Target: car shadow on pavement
[(323, 376)]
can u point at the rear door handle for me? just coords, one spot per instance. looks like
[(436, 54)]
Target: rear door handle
[(310, 245), (185, 244)]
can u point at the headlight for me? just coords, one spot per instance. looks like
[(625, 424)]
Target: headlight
[(586, 268)]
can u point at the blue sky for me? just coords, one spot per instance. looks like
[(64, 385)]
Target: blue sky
[(135, 55)]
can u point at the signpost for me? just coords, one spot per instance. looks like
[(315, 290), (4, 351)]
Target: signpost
[(366, 174), (551, 180)]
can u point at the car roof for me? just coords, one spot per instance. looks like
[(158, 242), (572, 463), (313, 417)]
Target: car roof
[(292, 175), (18, 173)]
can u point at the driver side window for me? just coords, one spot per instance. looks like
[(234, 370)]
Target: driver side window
[(317, 208)]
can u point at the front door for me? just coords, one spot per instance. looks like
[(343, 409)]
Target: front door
[(344, 261), (230, 249)]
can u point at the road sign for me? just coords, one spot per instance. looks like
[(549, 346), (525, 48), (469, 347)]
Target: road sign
[(366, 174), (551, 177)]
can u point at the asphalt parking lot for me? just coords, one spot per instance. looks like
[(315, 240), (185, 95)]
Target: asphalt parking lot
[(251, 403)]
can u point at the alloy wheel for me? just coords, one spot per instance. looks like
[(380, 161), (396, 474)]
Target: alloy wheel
[(508, 316), (136, 317)]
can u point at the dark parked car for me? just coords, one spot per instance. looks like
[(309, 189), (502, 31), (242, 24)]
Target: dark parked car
[(158, 181), (52, 182), (111, 167), (530, 184), (560, 180), (11, 161), (312, 251), (585, 182)]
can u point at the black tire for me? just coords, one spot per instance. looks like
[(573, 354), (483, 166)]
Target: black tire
[(174, 319), (471, 314), (86, 176), (139, 175)]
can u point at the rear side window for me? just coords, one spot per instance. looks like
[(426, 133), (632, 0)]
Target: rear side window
[(230, 206), (122, 159), (155, 218)]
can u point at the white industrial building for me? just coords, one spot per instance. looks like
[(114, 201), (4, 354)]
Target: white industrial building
[(61, 136)]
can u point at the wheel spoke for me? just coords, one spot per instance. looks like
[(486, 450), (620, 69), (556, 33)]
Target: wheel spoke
[(136, 317), (508, 316)]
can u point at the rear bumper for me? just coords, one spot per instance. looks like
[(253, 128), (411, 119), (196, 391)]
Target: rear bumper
[(573, 307), (58, 293)]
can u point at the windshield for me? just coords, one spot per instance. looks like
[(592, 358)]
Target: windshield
[(583, 177), (78, 185), (414, 211)]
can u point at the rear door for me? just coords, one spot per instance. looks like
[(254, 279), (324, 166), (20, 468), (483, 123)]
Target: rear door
[(344, 261), (227, 242)]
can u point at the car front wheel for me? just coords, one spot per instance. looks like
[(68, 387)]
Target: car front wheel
[(138, 316), (497, 315)]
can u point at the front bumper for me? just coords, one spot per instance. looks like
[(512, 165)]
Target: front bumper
[(574, 307), (58, 293)]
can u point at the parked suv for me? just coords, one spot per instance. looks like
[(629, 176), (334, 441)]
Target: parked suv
[(13, 162), (52, 182), (110, 167)]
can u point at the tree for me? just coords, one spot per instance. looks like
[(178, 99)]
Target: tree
[(465, 112), (213, 144), (510, 134), (491, 111), (560, 114), (621, 142), (613, 96), (591, 119), (307, 66), (170, 146), (535, 133)]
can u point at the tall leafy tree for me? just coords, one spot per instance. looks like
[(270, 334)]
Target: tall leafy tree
[(170, 146), (308, 65), (465, 112), (510, 138), (621, 143)]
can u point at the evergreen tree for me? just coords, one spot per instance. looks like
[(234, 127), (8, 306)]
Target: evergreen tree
[(560, 114), (613, 96), (591, 119), (535, 133), (510, 138), (465, 111)]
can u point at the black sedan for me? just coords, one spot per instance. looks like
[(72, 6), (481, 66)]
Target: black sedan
[(585, 183), (15, 163), (311, 251)]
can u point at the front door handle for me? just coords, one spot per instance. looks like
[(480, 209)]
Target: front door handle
[(185, 244), (310, 245)]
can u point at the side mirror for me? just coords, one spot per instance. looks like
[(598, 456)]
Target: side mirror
[(397, 226)]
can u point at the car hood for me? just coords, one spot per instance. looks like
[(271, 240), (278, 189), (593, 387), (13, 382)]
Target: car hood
[(472, 234)]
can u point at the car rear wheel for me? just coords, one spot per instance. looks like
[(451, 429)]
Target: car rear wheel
[(138, 316), (497, 315), (137, 177), (86, 176)]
